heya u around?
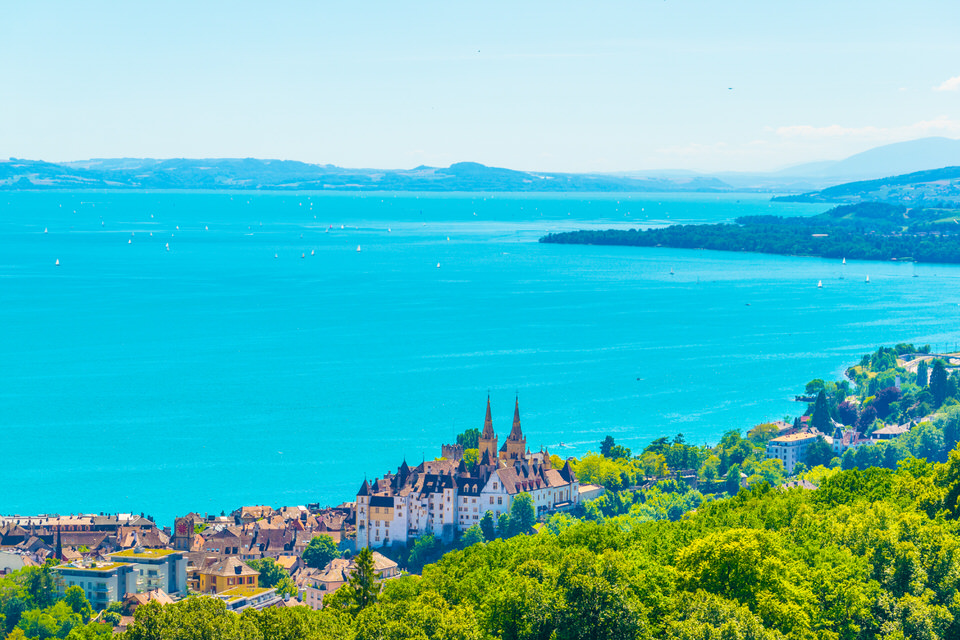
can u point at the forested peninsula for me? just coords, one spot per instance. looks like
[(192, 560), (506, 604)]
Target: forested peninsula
[(863, 231)]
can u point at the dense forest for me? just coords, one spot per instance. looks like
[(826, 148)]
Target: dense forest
[(865, 231)]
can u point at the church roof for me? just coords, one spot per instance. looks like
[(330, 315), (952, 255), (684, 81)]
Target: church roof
[(364, 488)]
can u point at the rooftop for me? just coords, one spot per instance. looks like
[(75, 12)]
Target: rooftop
[(794, 437), (144, 553), (101, 566), (243, 592)]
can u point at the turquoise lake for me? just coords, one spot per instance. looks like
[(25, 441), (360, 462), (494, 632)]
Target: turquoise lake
[(263, 358)]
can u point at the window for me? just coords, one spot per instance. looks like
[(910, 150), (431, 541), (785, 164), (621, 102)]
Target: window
[(491, 499), (499, 499), (494, 486)]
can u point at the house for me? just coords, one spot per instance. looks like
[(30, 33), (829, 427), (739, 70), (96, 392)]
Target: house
[(226, 574), (317, 583)]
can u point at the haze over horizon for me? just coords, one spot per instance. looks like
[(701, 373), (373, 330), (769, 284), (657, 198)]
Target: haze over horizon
[(567, 87)]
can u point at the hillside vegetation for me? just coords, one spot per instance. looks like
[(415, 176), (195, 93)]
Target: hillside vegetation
[(865, 231)]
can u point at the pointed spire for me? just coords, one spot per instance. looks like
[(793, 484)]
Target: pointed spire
[(364, 488), (515, 432), (488, 423)]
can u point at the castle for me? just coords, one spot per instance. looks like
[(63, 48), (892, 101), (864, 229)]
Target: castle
[(443, 497)]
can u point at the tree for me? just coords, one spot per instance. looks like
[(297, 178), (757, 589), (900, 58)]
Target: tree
[(423, 550), (821, 413), (819, 453), (763, 433), (606, 446), (922, 374), (487, 526), (504, 528), (847, 413), (609, 449), (471, 457), (523, 514), (363, 587), (285, 586), (321, 550), (938, 382), (471, 536), (469, 439), (733, 479), (270, 572), (76, 599), (814, 386)]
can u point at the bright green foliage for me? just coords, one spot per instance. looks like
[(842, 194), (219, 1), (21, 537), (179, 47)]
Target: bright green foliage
[(320, 551), (76, 599), (471, 536), (270, 572), (363, 586), (819, 453), (870, 554), (425, 548), (469, 439), (471, 457), (523, 515), (487, 526)]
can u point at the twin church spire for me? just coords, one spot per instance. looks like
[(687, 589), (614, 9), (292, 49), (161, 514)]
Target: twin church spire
[(514, 447)]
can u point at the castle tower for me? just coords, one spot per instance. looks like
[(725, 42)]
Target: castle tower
[(516, 445), (488, 439)]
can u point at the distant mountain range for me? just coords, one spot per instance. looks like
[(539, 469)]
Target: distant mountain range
[(251, 173)]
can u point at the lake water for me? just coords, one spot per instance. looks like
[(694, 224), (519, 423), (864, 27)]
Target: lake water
[(263, 358)]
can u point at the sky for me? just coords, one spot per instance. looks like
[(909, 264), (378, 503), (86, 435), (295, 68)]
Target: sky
[(749, 85)]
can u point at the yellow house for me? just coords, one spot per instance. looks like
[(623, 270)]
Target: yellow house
[(227, 574)]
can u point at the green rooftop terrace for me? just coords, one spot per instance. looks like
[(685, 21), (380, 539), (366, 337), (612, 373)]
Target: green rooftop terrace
[(143, 553), (100, 566), (236, 593)]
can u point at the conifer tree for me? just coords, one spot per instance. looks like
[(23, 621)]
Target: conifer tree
[(821, 413), (922, 374), (938, 382)]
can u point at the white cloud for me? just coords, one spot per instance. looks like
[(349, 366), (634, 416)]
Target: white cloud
[(953, 84), (941, 125)]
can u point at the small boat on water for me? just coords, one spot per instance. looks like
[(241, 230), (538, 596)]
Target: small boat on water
[(168, 246), (311, 251), (819, 284), (303, 255), (129, 241), (438, 265), (57, 263), (44, 229), (358, 248), (671, 271), (844, 261), (867, 280)]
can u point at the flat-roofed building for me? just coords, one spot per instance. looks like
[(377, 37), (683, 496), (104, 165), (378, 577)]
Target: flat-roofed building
[(790, 449), (102, 583), (164, 569)]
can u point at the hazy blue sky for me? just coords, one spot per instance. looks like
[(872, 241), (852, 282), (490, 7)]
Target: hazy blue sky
[(569, 86)]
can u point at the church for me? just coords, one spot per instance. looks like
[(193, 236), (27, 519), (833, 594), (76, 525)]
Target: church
[(447, 496)]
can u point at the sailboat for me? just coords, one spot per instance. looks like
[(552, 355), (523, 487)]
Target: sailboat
[(57, 263), (671, 270), (311, 252), (868, 280), (844, 261), (358, 248), (819, 284)]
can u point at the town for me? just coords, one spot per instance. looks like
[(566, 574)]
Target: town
[(124, 560), (904, 403)]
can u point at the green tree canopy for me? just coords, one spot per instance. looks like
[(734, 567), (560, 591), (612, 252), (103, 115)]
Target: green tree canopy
[(320, 551)]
